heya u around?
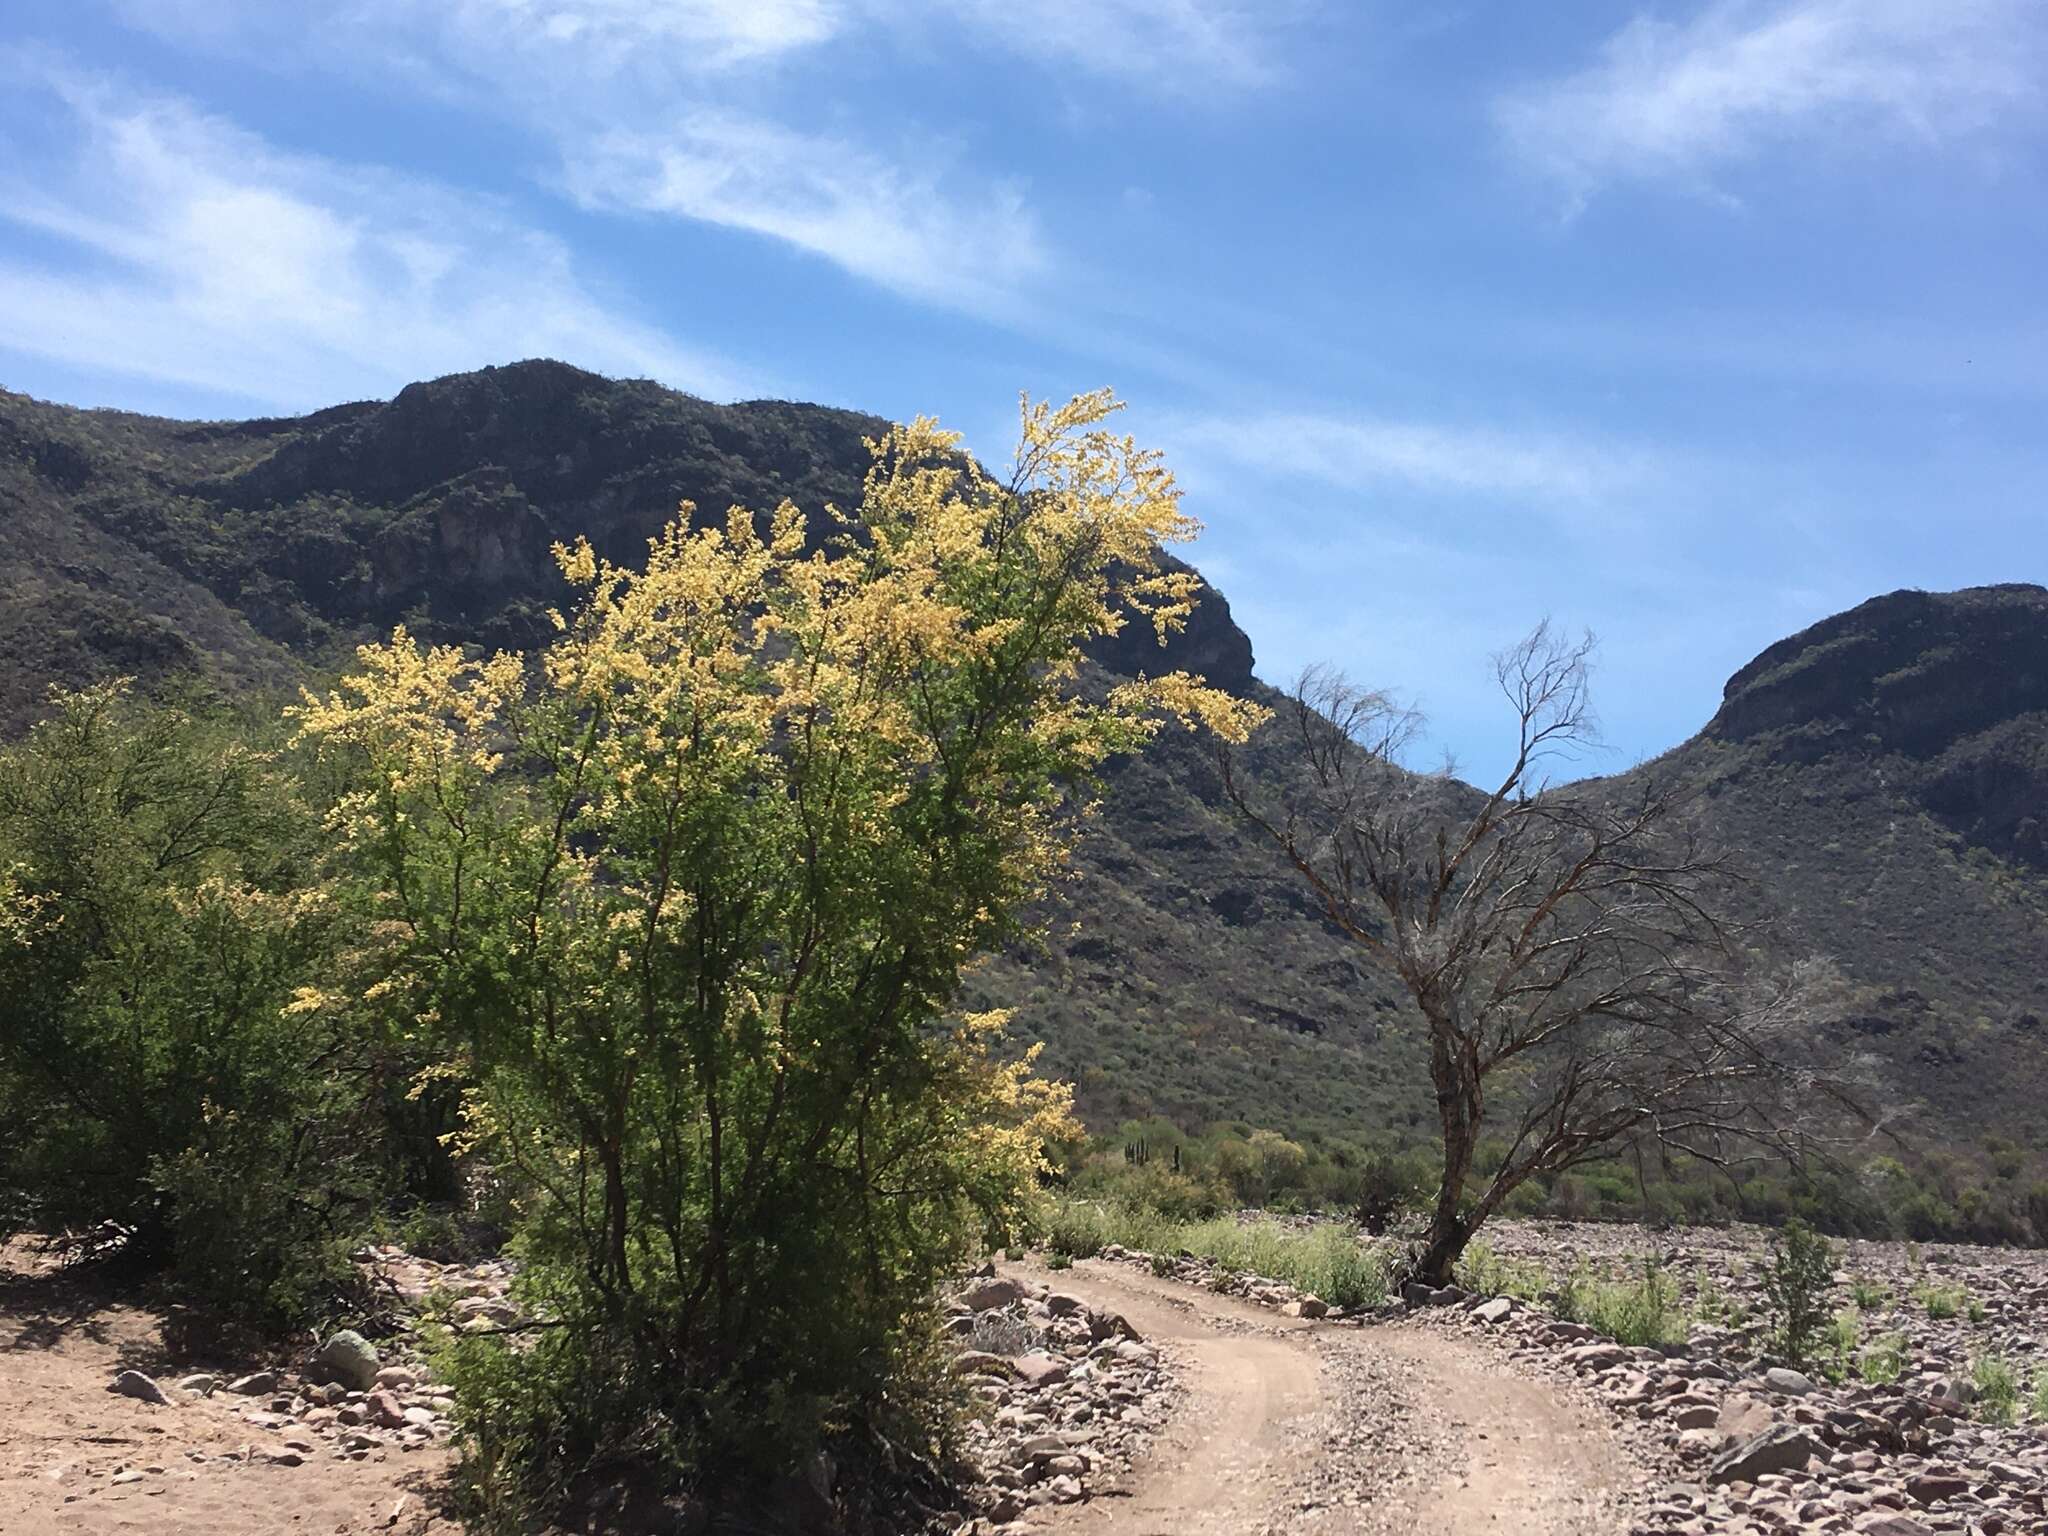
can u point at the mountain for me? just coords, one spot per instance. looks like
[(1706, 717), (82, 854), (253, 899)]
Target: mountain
[(1202, 986), (1884, 774), (1883, 778)]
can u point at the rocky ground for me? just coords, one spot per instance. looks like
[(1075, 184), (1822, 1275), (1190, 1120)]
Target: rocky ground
[(1070, 1394), (1131, 1395), (1727, 1439), (112, 1422)]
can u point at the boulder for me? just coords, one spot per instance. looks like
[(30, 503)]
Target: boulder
[(135, 1384), (346, 1358), (1782, 1448), (383, 1408), (1306, 1306), (256, 1384), (1039, 1369), (1595, 1357), (1498, 1310), (1791, 1383), (1743, 1418), (1933, 1487), (1110, 1325), (986, 1295)]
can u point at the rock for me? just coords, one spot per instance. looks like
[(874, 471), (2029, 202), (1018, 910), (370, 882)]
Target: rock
[(1307, 1307), (1498, 1310), (259, 1384), (492, 1310), (1886, 1523), (346, 1358), (986, 1295), (135, 1384), (977, 1362), (398, 1377), (1743, 1418), (1783, 1448), (1791, 1383), (1060, 1304), (1595, 1357), (383, 1408), (200, 1386), (1110, 1325), (1933, 1487), (1039, 1369)]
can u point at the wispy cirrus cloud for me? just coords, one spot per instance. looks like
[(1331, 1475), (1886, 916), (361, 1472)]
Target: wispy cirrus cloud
[(1174, 44), (1676, 102), (894, 226), (668, 107), (1451, 459), (187, 251)]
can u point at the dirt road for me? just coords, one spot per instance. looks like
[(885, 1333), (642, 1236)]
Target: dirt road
[(1295, 1427)]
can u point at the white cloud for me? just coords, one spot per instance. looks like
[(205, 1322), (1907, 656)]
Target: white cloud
[(197, 254), (1181, 44), (1676, 101), (1187, 41), (1357, 451), (894, 227), (673, 107), (497, 39)]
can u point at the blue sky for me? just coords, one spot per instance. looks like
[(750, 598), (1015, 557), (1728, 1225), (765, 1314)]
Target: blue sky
[(1688, 323)]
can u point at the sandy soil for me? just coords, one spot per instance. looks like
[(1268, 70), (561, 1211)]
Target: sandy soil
[(67, 1445), (1301, 1427)]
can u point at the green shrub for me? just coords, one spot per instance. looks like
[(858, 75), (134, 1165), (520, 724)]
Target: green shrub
[(1941, 1301), (1485, 1272), (1884, 1361), (1799, 1274), (170, 1062), (687, 905), (1840, 1343), (1643, 1311), (2040, 1404), (1868, 1294), (1998, 1389)]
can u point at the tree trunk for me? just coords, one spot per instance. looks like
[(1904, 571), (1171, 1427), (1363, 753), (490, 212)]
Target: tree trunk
[(1441, 1249), (1459, 1107)]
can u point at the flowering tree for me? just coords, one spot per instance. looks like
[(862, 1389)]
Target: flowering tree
[(686, 900)]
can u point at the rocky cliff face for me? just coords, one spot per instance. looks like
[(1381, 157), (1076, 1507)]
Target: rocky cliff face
[(440, 506), (1883, 775), (1949, 690)]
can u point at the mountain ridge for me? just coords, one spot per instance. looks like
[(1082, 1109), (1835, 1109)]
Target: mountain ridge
[(1884, 771)]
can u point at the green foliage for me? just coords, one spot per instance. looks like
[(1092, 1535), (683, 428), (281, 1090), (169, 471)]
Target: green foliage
[(1643, 1311), (1482, 1270), (1998, 1389), (1797, 1278), (2040, 1403), (1840, 1344), (1884, 1361), (685, 903), (166, 1062), (1868, 1294), (1941, 1301), (1326, 1260)]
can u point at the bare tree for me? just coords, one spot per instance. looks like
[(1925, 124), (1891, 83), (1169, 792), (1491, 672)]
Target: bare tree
[(1567, 948)]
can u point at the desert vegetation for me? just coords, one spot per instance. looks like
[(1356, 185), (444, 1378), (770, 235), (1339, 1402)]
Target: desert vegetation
[(658, 935)]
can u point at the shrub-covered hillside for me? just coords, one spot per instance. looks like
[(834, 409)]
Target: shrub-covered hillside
[(1882, 775)]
